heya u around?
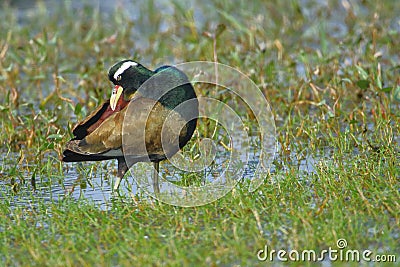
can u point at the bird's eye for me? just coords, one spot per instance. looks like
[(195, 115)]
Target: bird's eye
[(118, 77)]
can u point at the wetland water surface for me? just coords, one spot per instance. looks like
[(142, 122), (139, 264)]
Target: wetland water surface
[(94, 181)]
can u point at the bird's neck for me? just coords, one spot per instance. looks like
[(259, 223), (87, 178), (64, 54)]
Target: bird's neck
[(136, 82)]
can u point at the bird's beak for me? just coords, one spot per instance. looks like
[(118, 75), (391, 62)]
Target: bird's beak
[(116, 94)]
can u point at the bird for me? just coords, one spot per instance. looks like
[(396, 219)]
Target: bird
[(129, 126)]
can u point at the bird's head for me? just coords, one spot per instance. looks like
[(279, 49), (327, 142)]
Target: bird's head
[(127, 76)]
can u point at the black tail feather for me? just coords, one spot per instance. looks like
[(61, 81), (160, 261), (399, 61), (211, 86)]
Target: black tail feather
[(70, 156)]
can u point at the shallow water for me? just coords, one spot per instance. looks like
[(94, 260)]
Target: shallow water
[(98, 187)]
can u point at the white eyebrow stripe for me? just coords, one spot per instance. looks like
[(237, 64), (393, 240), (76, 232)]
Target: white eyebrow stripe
[(124, 67)]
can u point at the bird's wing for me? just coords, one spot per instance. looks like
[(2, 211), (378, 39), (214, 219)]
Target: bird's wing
[(105, 137), (80, 129), (140, 131)]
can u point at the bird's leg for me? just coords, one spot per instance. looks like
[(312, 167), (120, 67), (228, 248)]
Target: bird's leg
[(156, 186), (122, 168)]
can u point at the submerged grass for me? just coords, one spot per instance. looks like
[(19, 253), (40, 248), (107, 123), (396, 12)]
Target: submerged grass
[(330, 71)]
